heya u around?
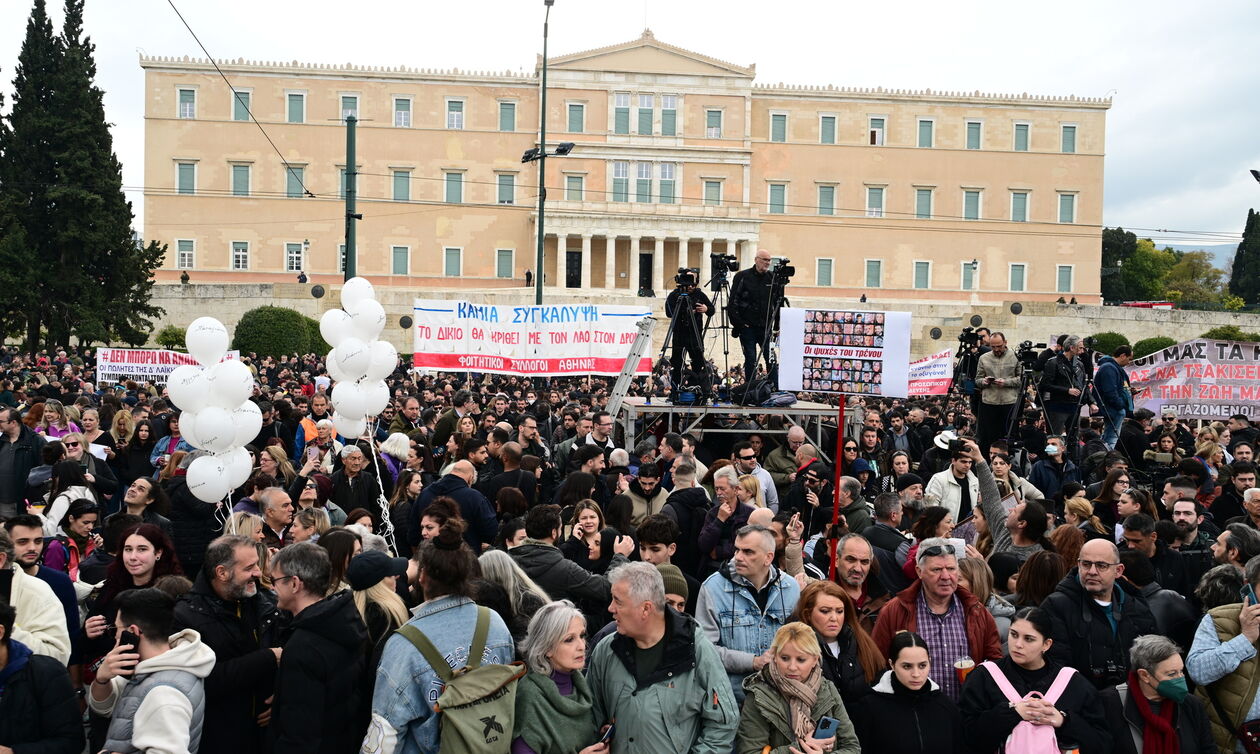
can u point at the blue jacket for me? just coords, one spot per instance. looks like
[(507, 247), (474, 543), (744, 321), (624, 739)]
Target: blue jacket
[(473, 506), (741, 629), (1049, 476), (1111, 385), (406, 686)]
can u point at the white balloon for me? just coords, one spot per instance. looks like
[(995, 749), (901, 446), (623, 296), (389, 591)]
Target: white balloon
[(238, 464), (248, 421), (354, 357), (208, 479), (348, 399), (207, 340), (334, 325), (334, 369), (375, 397), (384, 360), (355, 290), (351, 429), (368, 317), (189, 387), (215, 429), (188, 428), (231, 383)]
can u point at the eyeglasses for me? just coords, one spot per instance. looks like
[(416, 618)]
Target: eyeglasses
[(1094, 565), (936, 551), (280, 579)]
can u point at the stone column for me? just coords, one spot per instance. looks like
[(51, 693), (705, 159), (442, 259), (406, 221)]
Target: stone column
[(658, 266), (684, 252), (610, 260), (586, 261), (632, 267)]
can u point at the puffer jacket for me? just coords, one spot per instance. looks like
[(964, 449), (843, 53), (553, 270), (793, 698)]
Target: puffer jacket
[(843, 669), (895, 720), (741, 630), (1082, 633), (763, 720), (38, 709)]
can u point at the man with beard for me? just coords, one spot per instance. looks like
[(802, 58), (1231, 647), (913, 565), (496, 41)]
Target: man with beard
[(910, 488), (235, 618), (1194, 544), (646, 493)]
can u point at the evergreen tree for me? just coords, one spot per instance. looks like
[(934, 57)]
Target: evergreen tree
[(1118, 246), (1244, 279)]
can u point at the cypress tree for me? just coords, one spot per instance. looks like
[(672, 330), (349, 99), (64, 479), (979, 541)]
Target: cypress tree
[(1244, 279)]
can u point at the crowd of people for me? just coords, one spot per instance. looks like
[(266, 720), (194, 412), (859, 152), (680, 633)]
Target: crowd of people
[(496, 566)]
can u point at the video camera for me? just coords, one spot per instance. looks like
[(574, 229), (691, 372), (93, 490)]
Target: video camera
[(687, 277), (720, 266), (781, 268), (1028, 352), (969, 337)]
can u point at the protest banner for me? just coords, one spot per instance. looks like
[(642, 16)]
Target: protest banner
[(1206, 379), (142, 364), (932, 375), (457, 336), (850, 352)]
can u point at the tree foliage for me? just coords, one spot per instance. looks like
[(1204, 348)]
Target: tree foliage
[(1133, 269), (1231, 332), (1195, 281), (1106, 342), (1118, 245), (272, 331), (1145, 270), (1244, 278), (1148, 346), (171, 337), (316, 343)]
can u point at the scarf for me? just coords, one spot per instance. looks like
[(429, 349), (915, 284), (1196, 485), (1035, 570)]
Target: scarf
[(1158, 734), (800, 696)]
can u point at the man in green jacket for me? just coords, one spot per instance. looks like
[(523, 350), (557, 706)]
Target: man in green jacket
[(658, 677), (781, 462)]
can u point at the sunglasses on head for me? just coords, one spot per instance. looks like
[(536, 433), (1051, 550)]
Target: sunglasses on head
[(936, 551)]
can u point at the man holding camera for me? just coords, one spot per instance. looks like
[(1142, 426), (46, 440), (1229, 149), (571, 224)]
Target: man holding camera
[(749, 310), (1062, 383), (689, 309), (997, 381)]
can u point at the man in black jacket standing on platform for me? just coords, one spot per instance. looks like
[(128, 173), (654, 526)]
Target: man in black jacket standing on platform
[(749, 310), (689, 310)]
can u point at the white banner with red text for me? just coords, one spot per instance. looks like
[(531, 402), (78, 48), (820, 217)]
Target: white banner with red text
[(1207, 379), (143, 364), (932, 375), (838, 351), (458, 336)]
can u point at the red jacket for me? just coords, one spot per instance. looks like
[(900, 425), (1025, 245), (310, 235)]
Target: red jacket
[(901, 614)]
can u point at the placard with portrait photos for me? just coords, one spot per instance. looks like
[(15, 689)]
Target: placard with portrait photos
[(840, 351)]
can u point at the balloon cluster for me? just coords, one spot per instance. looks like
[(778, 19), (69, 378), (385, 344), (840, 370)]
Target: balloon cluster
[(218, 415), (358, 362)]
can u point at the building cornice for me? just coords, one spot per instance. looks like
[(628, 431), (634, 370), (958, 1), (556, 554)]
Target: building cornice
[(880, 94)]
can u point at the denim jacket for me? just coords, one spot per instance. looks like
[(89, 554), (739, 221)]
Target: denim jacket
[(728, 612), (406, 689)]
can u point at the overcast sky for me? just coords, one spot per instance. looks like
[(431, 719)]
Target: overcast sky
[(1183, 129)]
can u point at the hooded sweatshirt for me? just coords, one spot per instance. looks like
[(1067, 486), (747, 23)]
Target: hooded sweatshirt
[(164, 720)]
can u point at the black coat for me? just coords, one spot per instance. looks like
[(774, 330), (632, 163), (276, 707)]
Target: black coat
[(39, 713), (1082, 633), (1175, 616), (27, 449), (895, 720), (319, 681), (244, 669), (844, 670), (360, 492), (473, 507), (563, 579), (1190, 721), (688, 508), (749, 301), (193, 523)]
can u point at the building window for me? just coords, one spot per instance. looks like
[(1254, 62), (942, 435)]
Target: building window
[(240, 106), (874, 273), (507, 188), (621, 113), (402, 185), (875, 132), (454, 188), (1063, 278), (713, 124), (1067, 140), (240, 180), (349, 106), (504, 265), (973, 134), (296, 112), (452, 260), (341, 257), (402, 112), (1018, 273), (573, 188), (1067, 208), (400, 260), (971, 205), (294, 180), (826, 200), (188, 103), (874, 201), (293, 257), (669, 182), (186, 254), (926, 128), (669, 115), (240, 255), (827, 129), (455, 114), (778, 198), (646, 103), (713, 193), (778, 127), (969, 274), (621, 182), (1021, 137), (1019, 206), (643, 182), (923, 204), (507, 116), (823, 274), (922, 275), (577, 118), (186, 177)]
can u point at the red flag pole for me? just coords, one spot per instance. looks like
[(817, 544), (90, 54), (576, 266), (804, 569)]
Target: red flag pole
[(835, 503)]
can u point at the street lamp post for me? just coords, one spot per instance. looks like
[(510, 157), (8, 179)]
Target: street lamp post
[(542, 164)]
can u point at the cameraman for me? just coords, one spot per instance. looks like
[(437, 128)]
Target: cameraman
[(688, 328), (1062, 383), (749, 310), (975, 345), (997, 381)]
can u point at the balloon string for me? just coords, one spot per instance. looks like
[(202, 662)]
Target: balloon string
[(387, 525)]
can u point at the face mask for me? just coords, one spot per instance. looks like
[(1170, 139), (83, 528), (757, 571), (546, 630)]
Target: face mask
[(1173, 689), (1052, 450)]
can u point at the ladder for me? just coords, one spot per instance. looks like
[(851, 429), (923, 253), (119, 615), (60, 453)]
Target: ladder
[(622, 386)]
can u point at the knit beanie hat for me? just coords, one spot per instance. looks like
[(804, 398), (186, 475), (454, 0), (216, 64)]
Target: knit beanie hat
[(906, 480), (674, 581)]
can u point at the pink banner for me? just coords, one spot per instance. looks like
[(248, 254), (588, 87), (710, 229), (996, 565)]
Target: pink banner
[(932, 375)]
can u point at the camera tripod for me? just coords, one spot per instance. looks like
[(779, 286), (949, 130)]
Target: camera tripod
[(685, 309)]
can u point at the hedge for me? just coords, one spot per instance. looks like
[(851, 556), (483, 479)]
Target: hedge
[(1230, 332), (272, 331), (1107, 342), (315, 341), (1148, 346), (170, 337)]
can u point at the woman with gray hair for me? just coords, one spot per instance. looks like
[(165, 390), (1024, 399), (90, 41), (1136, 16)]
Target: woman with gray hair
[(1219, 586), (525, 596), (1154, 711), (553, 702)]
